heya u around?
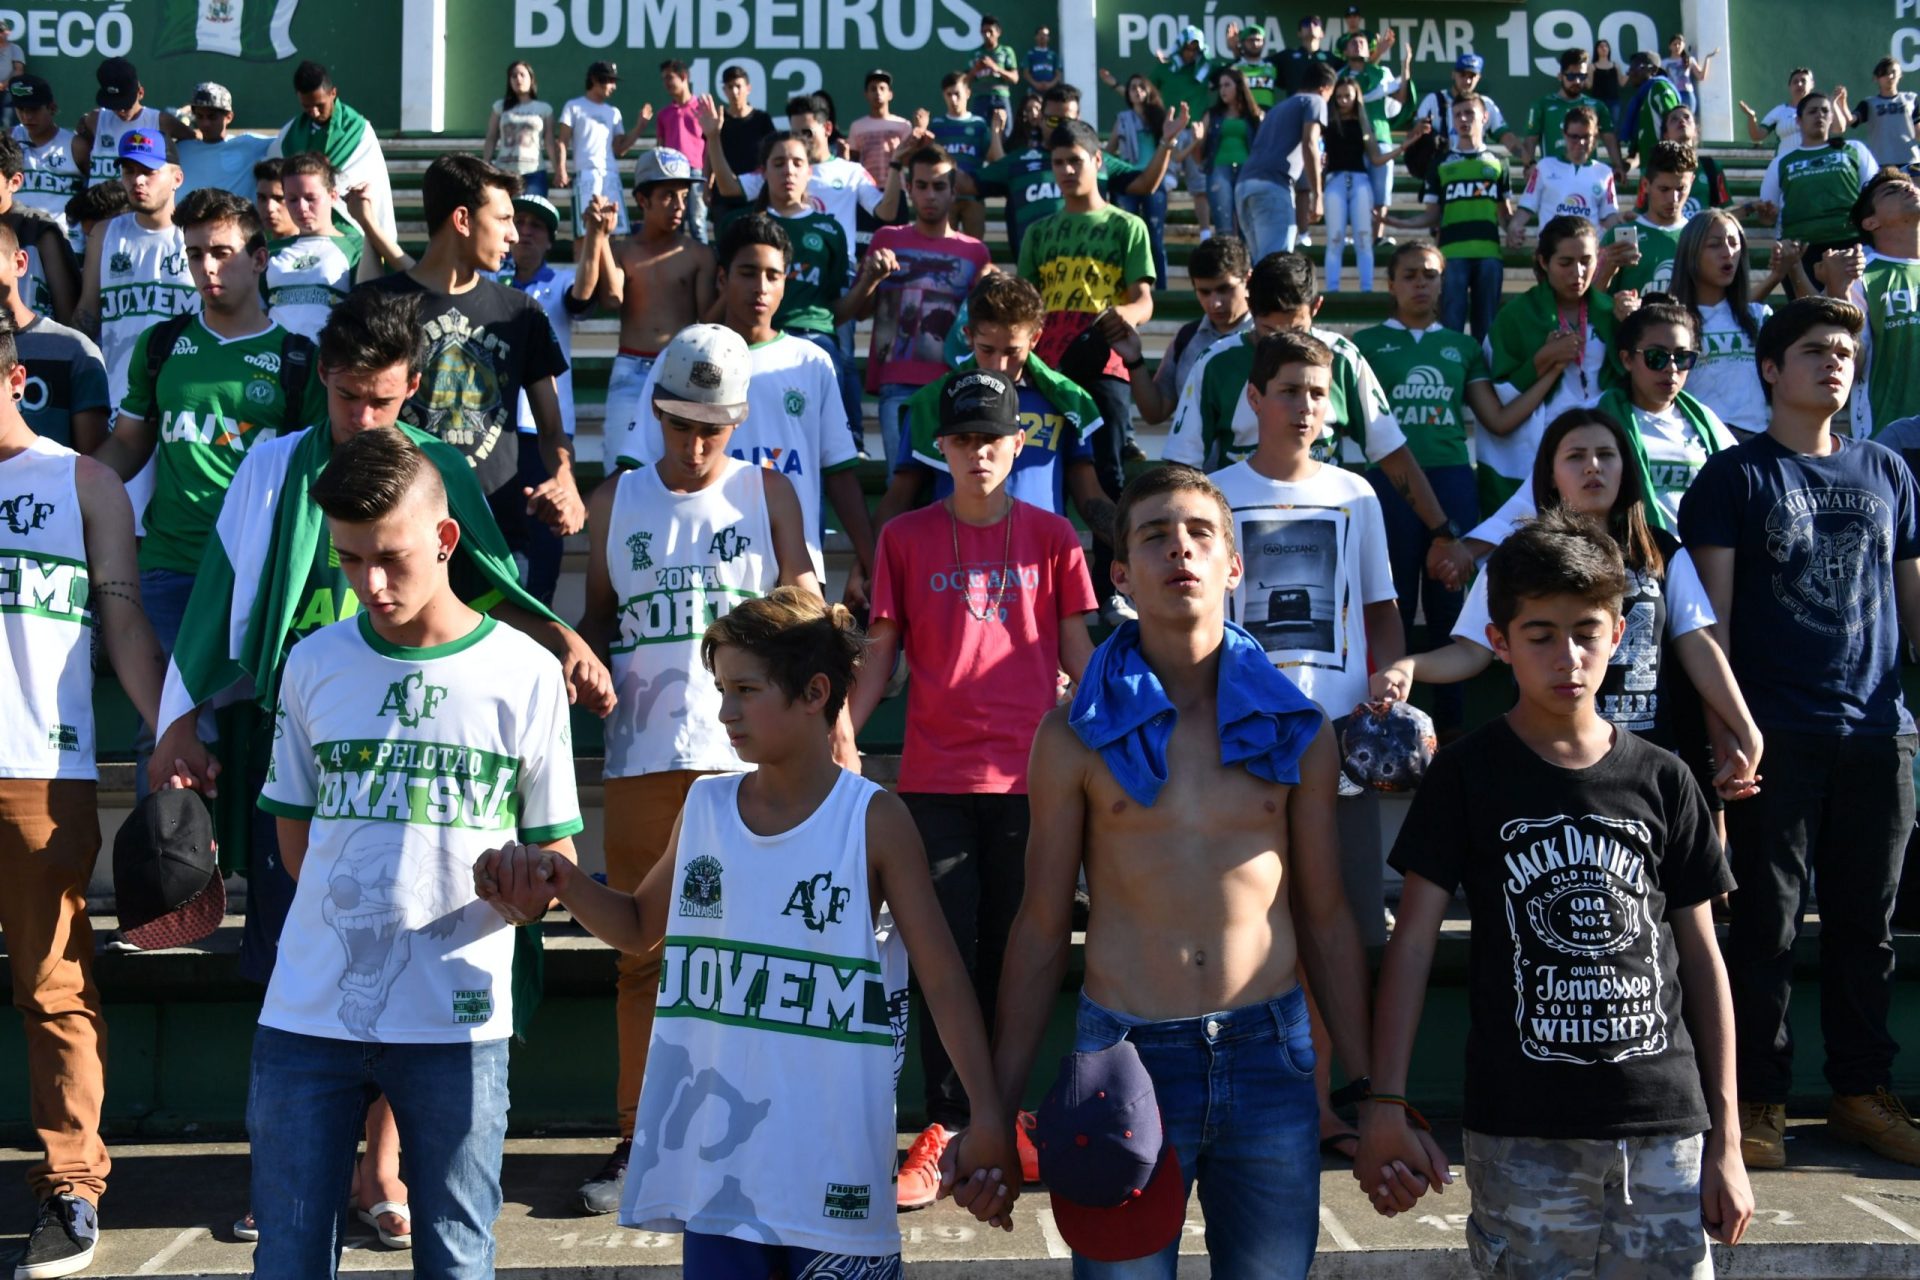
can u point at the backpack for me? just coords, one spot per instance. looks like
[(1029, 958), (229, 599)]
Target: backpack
[(296, 359), (1424, 152)]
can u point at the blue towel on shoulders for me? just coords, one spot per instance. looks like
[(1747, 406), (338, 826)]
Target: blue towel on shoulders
[(1122, 712)]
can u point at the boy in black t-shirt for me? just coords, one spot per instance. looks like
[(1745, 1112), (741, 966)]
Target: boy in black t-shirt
[(1808, 543), (1590, 862)]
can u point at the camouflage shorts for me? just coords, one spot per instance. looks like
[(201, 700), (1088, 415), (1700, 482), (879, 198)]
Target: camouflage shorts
[(1569, 1209)]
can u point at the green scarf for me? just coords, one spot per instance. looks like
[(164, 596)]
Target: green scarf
[(1526, 322), (339, 139), (1618, 405), (923, 410)]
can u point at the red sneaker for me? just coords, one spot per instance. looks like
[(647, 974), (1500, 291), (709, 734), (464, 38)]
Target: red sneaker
[(1023, 1124), (919, 1184)]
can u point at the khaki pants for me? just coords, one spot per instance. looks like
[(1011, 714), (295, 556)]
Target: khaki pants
[(640, 813), (49, 838)]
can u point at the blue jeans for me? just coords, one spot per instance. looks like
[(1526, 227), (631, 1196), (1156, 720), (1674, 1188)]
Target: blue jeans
[(307, 1101), (1407, 543), (1236, 1099), (1381, 176), (893, 416), (723, 1258), (1222, 181), (1152, 209), (1480, 277), (696, 223), (537, 183), (535, 546), (1265, 210), (847, 374), (163, 594)]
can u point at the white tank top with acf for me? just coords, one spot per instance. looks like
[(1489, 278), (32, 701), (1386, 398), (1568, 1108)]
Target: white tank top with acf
[(104, 164), (46, 622), (677, 561), (767, 1109)]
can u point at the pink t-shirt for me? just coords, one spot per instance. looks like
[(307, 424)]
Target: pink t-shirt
[(678, 126), (870, 137), (916, 306), (978, 688)]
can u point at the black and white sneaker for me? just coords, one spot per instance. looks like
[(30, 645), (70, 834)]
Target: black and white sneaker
[(601, 1193), (62, 1240)]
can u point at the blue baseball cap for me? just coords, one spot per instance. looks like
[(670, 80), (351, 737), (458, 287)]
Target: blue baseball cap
[(146, 146), (1114, 1179), (1472, 62)]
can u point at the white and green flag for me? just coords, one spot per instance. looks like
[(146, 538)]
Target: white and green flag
[(256, 30)]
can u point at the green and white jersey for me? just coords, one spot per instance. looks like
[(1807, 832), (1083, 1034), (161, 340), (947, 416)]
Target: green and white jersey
[(1425, 373), (1214, 426), (408, 764), (1262, 79), (50, 180), (307, 275), (1815, 187), (143, 280), (215, 399), (1889, 293), (1654, 272), (780, 1004), (817, 273), (1546, 122), (677, 562), (46, 626)]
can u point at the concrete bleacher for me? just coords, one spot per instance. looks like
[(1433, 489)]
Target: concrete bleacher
[(182, 1019)]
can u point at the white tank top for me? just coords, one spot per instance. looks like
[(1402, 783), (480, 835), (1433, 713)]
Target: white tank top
[(104, 164), (143, 280), (51, 179), (46, 626), (677, 561), (767, 1109)]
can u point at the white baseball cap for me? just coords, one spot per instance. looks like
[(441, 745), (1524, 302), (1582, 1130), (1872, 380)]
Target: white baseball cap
[(702, 375)]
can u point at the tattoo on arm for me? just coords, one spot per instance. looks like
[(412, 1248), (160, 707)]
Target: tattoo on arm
[(128, 591)]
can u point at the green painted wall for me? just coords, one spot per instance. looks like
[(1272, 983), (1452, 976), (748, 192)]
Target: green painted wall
[(1772, 37)]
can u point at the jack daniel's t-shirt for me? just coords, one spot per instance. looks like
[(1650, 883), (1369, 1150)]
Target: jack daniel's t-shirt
[(1575, 1024)]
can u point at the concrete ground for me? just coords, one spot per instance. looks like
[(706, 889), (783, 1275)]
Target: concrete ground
[(1836, 1212)]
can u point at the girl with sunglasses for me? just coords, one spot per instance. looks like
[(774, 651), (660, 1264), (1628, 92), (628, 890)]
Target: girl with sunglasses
[(1586, 462)]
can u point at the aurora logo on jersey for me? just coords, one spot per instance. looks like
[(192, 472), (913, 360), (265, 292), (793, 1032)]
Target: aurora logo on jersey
[(426, 783), (23, 515), (777, 989), (411, 699), (50, 586)]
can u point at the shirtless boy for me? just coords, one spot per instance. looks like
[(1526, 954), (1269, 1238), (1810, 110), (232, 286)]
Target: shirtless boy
[(665, 280), (1211, 891)]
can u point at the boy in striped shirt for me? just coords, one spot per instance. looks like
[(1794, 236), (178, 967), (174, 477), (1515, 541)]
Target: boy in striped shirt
[(1468, 197)]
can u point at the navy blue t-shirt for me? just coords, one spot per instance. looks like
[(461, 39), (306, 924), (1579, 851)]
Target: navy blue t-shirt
[(1039, 475), (1816, 630)]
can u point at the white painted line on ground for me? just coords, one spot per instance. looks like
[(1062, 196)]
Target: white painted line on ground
[(1904, 1228), (1342, 1240), (1050, 1232), (151, 1267)]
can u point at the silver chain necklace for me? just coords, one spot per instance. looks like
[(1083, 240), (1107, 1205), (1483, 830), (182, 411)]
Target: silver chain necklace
[(992, 611)]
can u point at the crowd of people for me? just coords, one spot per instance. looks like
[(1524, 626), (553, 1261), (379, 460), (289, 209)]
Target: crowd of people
[(307, 495)]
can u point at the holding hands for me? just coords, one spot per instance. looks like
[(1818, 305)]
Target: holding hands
[(520, 881)]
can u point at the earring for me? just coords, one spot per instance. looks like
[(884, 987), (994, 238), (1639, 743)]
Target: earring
[(443, 556)]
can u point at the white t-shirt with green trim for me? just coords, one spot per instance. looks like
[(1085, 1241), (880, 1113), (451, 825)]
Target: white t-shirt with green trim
[(409, 764), (795, 424), (307, 275)]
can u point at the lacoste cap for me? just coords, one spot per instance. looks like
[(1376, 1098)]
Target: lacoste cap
[(979, 402), (702, 375), (209, 94), (146, 146), (119, 84), (30, 91), (166, 872), (608, 71), (1470, 62), (662, 164), (1114, 1179), (541, 208)]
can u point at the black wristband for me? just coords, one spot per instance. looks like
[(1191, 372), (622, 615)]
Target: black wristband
[(1447, 530), (1134, 363)]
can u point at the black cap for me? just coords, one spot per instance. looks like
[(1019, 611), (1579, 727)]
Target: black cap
[(166, 872), (979, 402), (30, 91), (119, 84), (604, 70), (880, 73), (1643, 60)]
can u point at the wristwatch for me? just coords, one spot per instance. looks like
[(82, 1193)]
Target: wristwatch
[(1353, 1091), (1446, 531), (1134, 363)]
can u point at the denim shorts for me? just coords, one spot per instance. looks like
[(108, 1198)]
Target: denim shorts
[(1236, 1098)]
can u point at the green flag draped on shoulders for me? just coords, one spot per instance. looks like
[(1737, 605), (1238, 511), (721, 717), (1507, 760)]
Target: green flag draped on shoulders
[(1526, 322), (923, 409), (339, 139), (1713, 436)]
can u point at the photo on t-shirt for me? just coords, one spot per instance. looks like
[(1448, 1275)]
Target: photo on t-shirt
[(1294, 585)]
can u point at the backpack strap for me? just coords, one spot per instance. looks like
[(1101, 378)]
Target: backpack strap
[(161, 340), (296, 369)]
